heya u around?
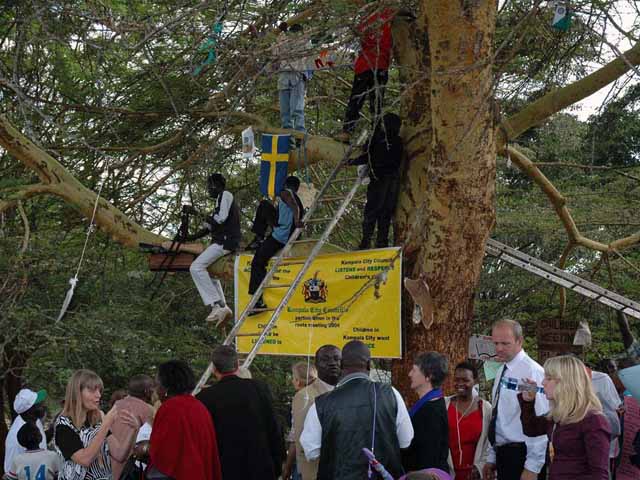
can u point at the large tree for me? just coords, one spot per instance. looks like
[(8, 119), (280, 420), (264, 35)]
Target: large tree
[(105, 92)]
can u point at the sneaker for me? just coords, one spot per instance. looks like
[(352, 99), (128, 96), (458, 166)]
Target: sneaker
[(223, 314), (259, 304), (213, 316)]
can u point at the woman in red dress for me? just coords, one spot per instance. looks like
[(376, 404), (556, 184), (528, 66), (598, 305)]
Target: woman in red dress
[(469, 418), (183, 443)]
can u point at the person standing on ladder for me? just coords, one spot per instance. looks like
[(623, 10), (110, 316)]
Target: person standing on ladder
[(290, 211), (383, 156), (224, 227)]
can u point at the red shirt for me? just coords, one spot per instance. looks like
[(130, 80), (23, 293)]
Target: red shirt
[(464, 434), (183, 441), (375, 42)]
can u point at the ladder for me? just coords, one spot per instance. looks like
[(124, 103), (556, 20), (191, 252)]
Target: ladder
[(282, 260), (562, 278)]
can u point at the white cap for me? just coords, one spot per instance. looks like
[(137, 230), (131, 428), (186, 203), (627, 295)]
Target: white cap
[(26, 399)]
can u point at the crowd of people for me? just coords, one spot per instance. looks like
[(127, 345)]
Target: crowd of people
[(559, 420)]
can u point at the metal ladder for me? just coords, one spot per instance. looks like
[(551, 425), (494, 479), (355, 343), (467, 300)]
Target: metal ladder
[(281, 260), (562, 278)]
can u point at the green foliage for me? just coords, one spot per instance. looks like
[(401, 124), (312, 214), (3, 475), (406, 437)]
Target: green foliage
[(96, 82)]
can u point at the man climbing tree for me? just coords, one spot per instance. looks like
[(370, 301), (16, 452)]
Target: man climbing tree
[(290, 212), (382, 156)]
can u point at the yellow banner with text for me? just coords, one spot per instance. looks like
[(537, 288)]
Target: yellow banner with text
[(330, 305)]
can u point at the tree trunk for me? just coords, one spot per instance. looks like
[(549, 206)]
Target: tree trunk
[(450, 186)]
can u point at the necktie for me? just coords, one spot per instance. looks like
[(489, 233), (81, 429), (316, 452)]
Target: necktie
[(494, 413)]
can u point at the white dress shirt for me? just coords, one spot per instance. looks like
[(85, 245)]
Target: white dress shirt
[(225, 205), (508, 424), (608, 396), (311, 438)]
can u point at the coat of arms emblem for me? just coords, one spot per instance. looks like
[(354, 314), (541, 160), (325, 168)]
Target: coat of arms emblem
[(315, 290)]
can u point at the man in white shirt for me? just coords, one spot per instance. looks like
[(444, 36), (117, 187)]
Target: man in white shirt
[(224, 227), (511, 454), (341, 423), (608, 396), (30, 408)]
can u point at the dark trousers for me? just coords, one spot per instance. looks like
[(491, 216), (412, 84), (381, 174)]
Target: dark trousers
[(260, 261), (510, 460), (266, 217), (372, 84), (382, 197)]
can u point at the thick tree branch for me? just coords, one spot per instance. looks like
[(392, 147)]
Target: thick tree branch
[(557, 100), (110, 219), (559, 203)]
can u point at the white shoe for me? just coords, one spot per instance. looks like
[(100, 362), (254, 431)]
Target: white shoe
[(224, 314), (215, 311), (221, 315)]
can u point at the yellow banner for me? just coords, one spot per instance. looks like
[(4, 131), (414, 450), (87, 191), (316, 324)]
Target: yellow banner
[(327, 307)]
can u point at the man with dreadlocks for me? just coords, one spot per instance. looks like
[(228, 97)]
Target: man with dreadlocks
[(224, 227)]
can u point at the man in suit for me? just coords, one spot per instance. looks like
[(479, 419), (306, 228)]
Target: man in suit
[(250, 439), (328, 365)]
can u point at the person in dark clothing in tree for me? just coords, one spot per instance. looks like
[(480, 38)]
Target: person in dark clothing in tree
[(250, 439), (357, 414), (430, 445), (383, 156), (224, 227), (290, 212)]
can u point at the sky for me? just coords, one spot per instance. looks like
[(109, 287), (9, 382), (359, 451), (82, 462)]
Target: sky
[(625, 17)]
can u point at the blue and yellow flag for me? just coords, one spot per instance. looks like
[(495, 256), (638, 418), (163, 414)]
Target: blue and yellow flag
[(274, 165)]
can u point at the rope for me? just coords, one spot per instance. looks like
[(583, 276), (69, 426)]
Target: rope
[(74, 280), (373, 434), (91, 226)]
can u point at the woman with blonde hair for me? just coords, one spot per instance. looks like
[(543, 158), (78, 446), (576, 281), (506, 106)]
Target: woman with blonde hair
[(303, 374), (578, 432), (81, 434)]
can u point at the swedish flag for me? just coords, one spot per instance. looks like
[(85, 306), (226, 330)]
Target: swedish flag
[(275, 160)]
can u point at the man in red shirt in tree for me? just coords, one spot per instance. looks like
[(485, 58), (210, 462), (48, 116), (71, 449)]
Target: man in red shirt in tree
[(371, 68)]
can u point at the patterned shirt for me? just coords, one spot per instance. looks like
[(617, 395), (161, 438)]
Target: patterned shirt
[(68, 439)]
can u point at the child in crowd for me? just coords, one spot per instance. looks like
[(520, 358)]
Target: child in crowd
[(35, 463)]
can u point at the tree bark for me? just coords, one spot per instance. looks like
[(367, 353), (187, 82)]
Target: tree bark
[(452, 163)]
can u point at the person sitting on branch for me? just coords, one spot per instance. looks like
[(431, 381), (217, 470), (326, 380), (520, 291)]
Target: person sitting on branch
[(290, 212), (224, 227)]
